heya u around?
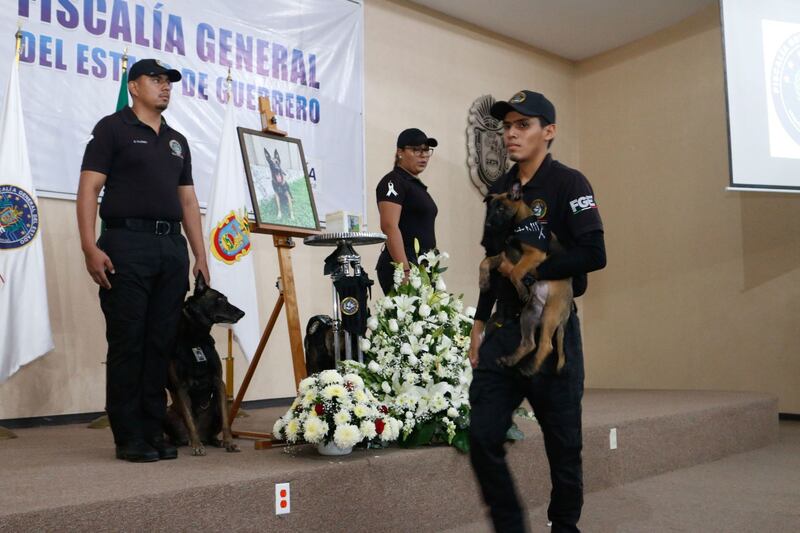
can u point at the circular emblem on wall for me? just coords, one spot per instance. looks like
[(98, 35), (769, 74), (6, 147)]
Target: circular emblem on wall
[(349, 306), (19, 217), (786, 85), (539, 208), (230, 239), (486, 153), (176, 148)]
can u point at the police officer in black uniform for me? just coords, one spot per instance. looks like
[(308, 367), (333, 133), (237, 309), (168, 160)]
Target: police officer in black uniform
[(407, 210), (140, 260), (562, 200)]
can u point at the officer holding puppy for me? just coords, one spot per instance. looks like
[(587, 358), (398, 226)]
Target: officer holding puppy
[(562, 200), (140, 261)]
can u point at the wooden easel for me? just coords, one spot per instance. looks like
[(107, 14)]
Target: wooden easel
[(287, 297)]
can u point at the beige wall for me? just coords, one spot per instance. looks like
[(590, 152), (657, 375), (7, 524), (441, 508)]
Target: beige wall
[(422, 71), (702, 289)]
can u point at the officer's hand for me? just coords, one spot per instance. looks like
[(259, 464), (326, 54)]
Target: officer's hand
[(200, 265), (475, 339), (97, 263), (505, 267)]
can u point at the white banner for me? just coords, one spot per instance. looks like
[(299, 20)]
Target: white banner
[(306, 55)]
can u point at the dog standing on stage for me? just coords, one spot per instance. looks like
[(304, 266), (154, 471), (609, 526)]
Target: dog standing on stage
[(283, 195), (199, 409), (547, 303)]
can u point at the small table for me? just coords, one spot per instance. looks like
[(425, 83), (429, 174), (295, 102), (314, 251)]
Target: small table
[(347, 264)]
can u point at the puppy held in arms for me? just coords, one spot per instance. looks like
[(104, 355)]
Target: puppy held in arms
[(511, 224), (199, 410)]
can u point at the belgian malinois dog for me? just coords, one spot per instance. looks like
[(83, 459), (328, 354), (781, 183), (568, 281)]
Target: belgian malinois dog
[(199, 409), (547, 303)]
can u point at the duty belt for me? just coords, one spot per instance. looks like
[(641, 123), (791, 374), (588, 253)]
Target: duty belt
[(145, 225)]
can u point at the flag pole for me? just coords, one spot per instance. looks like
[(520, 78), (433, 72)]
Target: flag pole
[(6, 433), (229, 359)]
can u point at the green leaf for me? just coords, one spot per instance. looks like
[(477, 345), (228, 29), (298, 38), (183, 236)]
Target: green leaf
[(461, 440), (422, 434)]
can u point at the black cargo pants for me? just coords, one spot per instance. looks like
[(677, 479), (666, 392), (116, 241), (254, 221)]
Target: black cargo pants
[(142, 310), (556, 400)]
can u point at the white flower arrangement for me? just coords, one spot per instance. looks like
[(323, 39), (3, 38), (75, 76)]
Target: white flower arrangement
[(417, 356), (339, 408)]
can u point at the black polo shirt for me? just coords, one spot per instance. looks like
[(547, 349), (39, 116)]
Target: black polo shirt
[(418, 216), (143, 169), (562, 200)]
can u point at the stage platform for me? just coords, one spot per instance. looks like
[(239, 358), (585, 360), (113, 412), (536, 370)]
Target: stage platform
[(65, 478)]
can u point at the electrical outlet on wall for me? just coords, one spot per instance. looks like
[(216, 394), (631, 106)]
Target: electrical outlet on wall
[(282, 498)]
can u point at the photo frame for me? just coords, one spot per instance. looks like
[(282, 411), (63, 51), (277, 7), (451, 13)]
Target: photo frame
[(280, 188)]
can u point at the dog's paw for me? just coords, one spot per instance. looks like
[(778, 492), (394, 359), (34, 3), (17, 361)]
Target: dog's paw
[(198, 450), (529, 369), (506, 361), (231, 446)]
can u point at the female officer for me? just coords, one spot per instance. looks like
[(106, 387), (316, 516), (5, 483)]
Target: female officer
[(406, 209)]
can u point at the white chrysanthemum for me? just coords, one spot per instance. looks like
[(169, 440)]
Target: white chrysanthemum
[(329, 376), (440, 286), (333, 391), (360, 411), (314, 430), (424, 310), (292, 429), (372, 323), (393, 327), (373, 366), (398, 275), (347, 436), (355, 379), (416, 329), (367, 429), (277, 427), (438, 403), (308, 398), (391, 430), (470, 312), (365, 344), (307, 384), (341, 417), (361, 396)]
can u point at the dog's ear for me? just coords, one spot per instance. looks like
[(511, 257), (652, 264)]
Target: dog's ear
[(515, 194), (488, 198), (277, 156), (200, 285)]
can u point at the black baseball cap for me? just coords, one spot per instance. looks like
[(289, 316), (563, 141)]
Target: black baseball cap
[(527, 103), (152, 67), (415, 137)]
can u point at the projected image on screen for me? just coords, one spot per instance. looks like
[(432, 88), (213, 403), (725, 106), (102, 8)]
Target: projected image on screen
[(762, 79), (782, 69)]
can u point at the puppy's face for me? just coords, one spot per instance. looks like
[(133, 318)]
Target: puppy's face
[(504, 208)]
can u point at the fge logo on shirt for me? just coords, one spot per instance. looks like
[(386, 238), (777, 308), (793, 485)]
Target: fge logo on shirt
[(582, 204)]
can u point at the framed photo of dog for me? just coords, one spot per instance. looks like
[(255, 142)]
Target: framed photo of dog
[(280, 189)]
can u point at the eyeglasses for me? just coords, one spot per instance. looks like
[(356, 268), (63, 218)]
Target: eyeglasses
[(420, 150)]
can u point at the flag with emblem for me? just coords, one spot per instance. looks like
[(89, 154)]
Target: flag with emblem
[(24, 316), (230, 259)]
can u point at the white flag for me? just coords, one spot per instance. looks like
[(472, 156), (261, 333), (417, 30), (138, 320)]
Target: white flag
[(24, 316), (230, 260)]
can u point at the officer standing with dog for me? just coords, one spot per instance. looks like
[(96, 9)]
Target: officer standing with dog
[(562, 200), (140, 261)]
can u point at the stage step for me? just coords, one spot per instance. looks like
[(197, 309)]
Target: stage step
[(65, 478)]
